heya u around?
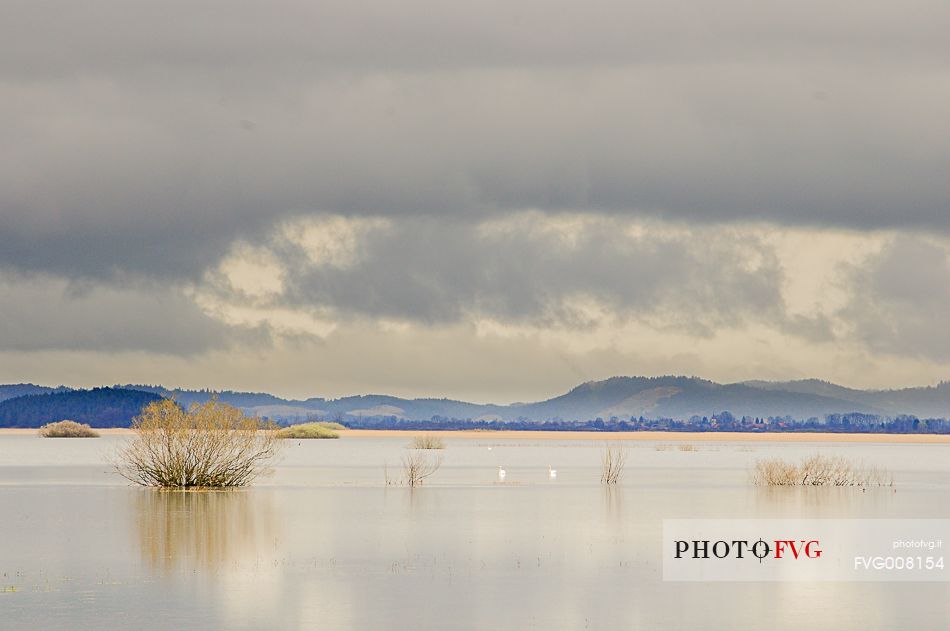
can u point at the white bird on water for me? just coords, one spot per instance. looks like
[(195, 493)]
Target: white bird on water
[(501, 473), (552, 473)]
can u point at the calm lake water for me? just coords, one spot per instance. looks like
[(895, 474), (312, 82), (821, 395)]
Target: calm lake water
[(324, 543)]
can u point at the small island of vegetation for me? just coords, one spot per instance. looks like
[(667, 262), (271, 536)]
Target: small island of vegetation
[(311, 430), (67, 429)]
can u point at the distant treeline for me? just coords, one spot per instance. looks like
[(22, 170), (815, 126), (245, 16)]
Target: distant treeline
[(723, 422), (99, 407)]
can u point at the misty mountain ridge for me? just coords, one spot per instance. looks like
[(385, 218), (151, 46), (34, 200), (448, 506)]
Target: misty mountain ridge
[(672, 397), (676, 397)]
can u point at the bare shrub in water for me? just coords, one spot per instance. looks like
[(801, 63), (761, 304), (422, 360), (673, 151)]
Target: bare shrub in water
[(67, 429), (427, 441), (613, 462), (210, 445), (775, 472), (416, 467), (817, 470)]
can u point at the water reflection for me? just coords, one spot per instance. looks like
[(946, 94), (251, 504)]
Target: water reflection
[(613, 502), (325, 544), (187, 530), (825, 502)]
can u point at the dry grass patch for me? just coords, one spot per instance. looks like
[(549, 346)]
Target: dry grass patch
[(427, 441), (67, 429), (818, 470)]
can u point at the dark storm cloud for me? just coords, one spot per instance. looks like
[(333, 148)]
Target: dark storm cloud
[(141, 139), (40, 313)]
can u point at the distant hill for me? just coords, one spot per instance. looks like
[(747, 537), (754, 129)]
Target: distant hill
[(188, 397), (99, 407), (924, 402), (673, 397), (681, 398), (285, 413), (409, 408), (296, 410), (11, 391), (617, 396)]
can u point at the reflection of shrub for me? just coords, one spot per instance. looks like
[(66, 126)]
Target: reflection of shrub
[(427, 441), (817, 470), (187, 531), (679, 446), (416, 467), (613, 462), (210, 445), (310, 430), (68, 429)]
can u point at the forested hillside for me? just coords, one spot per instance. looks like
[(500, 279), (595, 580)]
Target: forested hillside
[(99, 407)]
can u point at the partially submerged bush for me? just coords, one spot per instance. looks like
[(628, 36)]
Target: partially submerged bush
[(417, 466), (68, 429), (613, 462), (210, 445), (310, 430), (817, 470), (427, 441), (777, 472)]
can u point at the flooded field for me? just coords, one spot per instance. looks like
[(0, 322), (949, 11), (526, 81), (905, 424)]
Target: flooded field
[(324, 542)]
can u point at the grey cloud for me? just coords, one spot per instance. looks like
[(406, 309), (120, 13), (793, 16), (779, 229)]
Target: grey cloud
[(444, 271), (900, 300), (290, 36), (41, 313), (142, 139)]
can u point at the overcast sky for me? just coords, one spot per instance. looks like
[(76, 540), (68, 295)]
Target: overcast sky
[(493, 202)]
